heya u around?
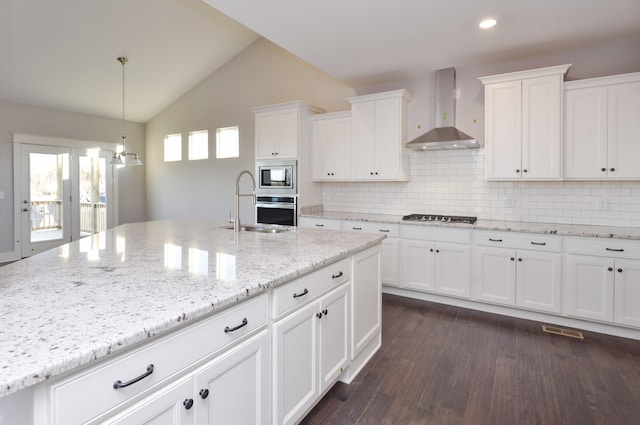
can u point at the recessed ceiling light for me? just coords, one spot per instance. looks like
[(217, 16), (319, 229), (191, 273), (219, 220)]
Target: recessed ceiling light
[(487, 23)]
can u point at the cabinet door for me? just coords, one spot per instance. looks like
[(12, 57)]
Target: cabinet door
[(418, 265), (340, 149), (588, 287), (166, 407), (494, 275), (453, 269), (334, 336), (586, 133), (503, 129), (624, 128), (288, 133), (390, 261), (321, 150), (362, 137), (234, 389), (366, 311), (295, 364), (266, 128), (388, 139), (627, 292), (538, 281), (542, 127)]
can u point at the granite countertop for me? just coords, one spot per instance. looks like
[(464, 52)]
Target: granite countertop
[(72, 305), (494, 225)]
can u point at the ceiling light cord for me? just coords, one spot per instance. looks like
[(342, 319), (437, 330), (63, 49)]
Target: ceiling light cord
[(118, 157)]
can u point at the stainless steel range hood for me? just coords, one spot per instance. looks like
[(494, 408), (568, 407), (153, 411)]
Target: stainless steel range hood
[(445, 135)]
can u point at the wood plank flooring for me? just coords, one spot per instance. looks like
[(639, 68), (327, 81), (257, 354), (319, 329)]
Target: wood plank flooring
[(443, 365)]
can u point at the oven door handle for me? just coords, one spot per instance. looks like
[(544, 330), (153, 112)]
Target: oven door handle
[(276, 205)]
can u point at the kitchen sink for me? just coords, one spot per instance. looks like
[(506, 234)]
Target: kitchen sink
[(263, 228)]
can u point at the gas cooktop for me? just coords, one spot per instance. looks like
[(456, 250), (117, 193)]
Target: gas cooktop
[(440, 218)]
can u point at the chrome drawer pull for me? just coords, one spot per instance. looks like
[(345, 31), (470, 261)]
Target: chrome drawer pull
[(495, 240), (538, 243), (357, 228), (241, 325), (319, 225), (120, 384), (384, 230), (335, 276), (615, 250), (302, 294)]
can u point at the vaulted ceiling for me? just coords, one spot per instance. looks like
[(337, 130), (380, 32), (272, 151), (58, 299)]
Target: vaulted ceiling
[(62, 53)]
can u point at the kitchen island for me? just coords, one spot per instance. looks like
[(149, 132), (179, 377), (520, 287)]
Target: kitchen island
[(85, 302)]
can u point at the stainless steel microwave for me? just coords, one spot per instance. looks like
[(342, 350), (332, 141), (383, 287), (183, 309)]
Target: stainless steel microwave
[(277, 176)]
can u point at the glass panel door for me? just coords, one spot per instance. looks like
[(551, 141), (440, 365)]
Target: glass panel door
[(93, 189), (45, 198)]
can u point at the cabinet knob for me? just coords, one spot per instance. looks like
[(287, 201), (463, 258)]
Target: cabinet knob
[(371, 173), (325, 311), (431, 250), (319, 315), (513, 259), (188, 403), (328, 174), (376, 173), (603, 169), (524, 171), (204, 393), (518, 170), (610, 269), (619, 270), (520, 259), (612, 169), (437, 250)]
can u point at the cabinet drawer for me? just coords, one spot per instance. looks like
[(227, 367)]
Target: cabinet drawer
[(86, 395), (372, 227), (319, 223), (307, 288), (530, 241), (614, 248), (436, 234)]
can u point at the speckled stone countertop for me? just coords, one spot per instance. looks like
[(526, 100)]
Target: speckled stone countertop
[(495, 225), (72, 305)]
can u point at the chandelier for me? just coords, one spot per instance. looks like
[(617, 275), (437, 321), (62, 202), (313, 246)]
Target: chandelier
[(119, 157)]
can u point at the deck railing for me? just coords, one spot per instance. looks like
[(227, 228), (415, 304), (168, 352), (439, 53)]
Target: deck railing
[(47, 215)]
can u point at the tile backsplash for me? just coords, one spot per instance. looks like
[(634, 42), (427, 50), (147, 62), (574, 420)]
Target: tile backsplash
[(452, 182)]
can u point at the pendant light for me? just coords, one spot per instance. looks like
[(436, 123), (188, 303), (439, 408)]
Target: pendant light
[(119, 157)]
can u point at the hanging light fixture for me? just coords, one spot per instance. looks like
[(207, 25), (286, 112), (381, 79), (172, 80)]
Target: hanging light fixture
[(119, 157)]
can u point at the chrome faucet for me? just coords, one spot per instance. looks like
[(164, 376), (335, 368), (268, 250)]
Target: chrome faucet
[(236, 221)]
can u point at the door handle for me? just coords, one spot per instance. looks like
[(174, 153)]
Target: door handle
[(25, 210)]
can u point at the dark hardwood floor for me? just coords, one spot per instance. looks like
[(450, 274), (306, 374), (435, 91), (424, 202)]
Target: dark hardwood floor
[(444, 365)]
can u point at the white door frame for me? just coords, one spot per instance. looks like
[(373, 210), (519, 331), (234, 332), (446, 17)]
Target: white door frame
[(18, 140)]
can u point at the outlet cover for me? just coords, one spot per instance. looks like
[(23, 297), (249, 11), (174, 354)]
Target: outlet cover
[(508, 201), (603, 204)]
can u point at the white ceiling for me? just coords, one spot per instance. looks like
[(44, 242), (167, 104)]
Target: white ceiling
[(62, 53)]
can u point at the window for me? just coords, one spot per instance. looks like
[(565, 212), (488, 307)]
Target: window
[(199, 145), (173, 147), (227, 142)]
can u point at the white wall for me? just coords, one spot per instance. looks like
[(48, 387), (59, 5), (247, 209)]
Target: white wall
[(452, 182), (262, 74), (27, 119)]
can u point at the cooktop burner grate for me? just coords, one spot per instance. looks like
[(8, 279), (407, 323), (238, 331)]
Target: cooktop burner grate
[(440, 218)]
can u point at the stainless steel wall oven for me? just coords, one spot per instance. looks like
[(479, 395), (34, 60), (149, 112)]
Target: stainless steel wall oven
[(277, 210)]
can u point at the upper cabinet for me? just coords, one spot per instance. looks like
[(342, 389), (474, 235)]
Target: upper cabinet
[(331, 146), (379, 131), (602, 129), (281, 129), (523, 124)]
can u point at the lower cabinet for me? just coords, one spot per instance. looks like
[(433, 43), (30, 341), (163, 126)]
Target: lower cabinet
[(234, 389), (602, 289), (310, 350), (436, 266), (366, 300), (171, 406), (527, 279)]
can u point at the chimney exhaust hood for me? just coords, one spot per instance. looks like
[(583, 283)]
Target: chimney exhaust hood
[(445, 135)]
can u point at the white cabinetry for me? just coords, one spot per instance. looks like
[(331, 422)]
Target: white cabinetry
[(282, 130), (331, 146), (602, 280), (366, 302), (523, 124), (379, 131), (305, 363), (602, 127), (390, 256), (310, 348), (518, 270), (436, 260)]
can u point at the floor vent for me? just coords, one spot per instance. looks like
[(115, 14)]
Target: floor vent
[(563, 332)]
